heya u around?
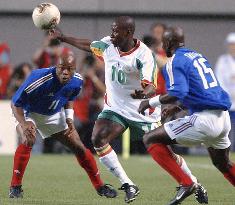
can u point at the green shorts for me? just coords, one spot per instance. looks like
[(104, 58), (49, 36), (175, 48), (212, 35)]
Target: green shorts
[(137, 129)]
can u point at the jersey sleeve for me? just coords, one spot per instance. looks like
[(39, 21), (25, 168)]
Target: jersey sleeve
[(147, 66), (76, 91), (176, 80), (20, 97), (98, 47)]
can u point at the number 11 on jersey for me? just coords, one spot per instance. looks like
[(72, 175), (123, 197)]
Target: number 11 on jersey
[(54, 104)]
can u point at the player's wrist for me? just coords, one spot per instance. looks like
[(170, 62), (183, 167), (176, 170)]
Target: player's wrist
[(69, 113), (155, 101)]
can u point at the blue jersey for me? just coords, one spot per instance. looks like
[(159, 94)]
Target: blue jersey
[(189, 77), (42, 92)]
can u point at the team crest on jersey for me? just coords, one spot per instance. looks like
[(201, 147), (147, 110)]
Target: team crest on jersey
[(124, 67)]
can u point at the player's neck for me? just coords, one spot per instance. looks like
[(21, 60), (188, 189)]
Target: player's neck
[(128, 46)]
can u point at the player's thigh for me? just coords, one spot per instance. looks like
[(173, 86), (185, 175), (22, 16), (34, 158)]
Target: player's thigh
[(138, 129), (216, 125), (108, 126), (186, 131)]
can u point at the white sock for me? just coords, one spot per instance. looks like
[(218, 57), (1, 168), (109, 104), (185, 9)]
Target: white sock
[(111, 162), (185, 168)]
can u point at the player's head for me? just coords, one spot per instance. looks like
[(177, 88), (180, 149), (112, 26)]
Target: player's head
[(123, 29), (173, 38), (66, 67)]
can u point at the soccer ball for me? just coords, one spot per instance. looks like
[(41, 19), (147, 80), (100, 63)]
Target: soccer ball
[(46, 16)]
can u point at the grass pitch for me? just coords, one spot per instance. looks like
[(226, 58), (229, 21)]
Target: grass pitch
[(58, 180)]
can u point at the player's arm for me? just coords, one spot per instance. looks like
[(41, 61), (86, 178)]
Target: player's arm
[(82, 44), (96, 81), (146, 64), (159, 100), (68, 108), (18, 113), (69, 113), (28, 127), (177, 89), (147, 92)]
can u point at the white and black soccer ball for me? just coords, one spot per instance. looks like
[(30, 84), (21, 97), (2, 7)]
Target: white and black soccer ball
[(46, 16)]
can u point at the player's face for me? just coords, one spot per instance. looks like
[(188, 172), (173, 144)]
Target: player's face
[(65, 71), (117, 35)]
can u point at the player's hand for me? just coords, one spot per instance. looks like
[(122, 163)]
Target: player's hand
[(29, 131), (143, 106), (138, 94), (56, 33), (169, 110), (71, 128)]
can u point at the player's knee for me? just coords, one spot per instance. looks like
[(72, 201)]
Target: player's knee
[(29, 143), (100, 138), (222, 166)]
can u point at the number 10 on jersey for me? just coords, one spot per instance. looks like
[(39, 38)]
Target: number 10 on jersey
[(118, 75)]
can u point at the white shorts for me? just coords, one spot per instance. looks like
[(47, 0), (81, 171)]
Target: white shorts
[(209, 127), (48, 125)]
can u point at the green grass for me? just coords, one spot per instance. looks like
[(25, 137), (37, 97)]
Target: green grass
[(57, 180)]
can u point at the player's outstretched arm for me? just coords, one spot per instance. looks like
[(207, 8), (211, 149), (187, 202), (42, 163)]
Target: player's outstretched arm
[(82, 44), (156, 101)]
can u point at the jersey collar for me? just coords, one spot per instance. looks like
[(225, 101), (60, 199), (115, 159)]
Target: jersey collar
[(137, 45)]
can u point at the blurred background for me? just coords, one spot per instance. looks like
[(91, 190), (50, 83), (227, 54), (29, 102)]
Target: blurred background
[(208, 25)]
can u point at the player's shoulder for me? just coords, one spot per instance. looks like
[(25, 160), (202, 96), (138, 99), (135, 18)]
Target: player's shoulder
[(184, 56), (42, 73), (98, 47), (143, 50), (104, 42), (77, 80)]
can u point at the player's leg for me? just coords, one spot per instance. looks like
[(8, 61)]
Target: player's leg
[(220, 159), (21, 159), (155, 142), (108, 126), (219, 127), (87, 161), (180, 160)]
